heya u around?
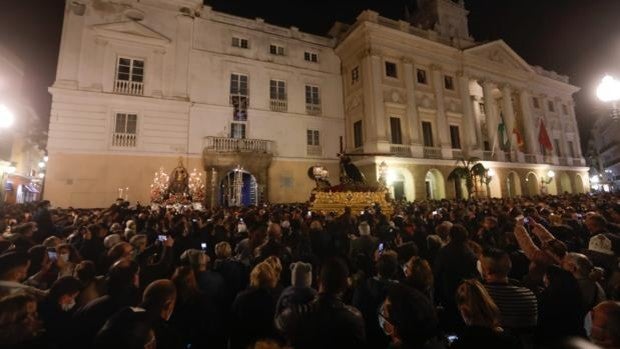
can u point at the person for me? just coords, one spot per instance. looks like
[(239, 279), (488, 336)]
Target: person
[(19, 323), (210, 282), (419, 275), (582, 269), (56, 312), (92, 285), (13, 271), (67, 259), (561, 310), (409, 319), (158, 300), (482, 319), (606, 325), (326, 322), (454, 262), (518, 306), (43, 218), (371, 293), (365, 244), (253, 310), (130, 328), (301, 291), (123, 284)]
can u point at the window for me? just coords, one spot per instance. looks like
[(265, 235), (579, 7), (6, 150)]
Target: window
[(129, 76), (237, 130), (556, 143), (276, 50), (355, 75), (427, 133), (277, 89), (239, 96), (277, 93), (311, 57), (551, 106), (390, 70), (421, 74), (481, 106), (571, 149), (448, 82), (397, 137), (358, 138), (125, 129), (536, 102), (564, 109), (240, 43), (312, 137), (313, 100), (455, 137)]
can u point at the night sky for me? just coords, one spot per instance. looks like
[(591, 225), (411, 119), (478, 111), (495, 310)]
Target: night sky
[(578, 38)]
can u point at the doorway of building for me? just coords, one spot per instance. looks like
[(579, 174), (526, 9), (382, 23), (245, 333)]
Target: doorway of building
[(565, 185), (513, 185), (238, 188), (531, 184), (435, 185)]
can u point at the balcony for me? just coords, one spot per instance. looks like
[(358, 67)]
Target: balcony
[(531, 159), (127, 87), (313, 109), (488, 155), (314, 150), (124, 140), (237, 145), (432, 153), (400, 150), (577, 162), (278, 105), (563, 161)]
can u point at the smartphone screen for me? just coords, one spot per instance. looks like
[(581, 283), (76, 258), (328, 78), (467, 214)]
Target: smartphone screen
[(381, 248), (203, 246), (162, 238), (52, 255)]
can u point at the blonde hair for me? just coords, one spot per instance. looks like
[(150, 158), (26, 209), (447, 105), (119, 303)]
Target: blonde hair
[(263, 276), (223, 250), (275, 263), (480, 307)]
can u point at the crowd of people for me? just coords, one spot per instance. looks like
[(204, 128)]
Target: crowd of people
[(537, 272)]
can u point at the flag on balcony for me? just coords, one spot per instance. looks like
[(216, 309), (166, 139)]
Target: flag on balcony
[(520, 139), (543, 137), (502, 134)]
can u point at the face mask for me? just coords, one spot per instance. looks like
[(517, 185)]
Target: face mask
[(285, 224), (69, 306), (383, 324), (64, 257), (242, 228)]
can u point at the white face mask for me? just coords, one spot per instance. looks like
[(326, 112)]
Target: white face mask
[(242, 228), (285, 224), (69, 306), (64, 257)]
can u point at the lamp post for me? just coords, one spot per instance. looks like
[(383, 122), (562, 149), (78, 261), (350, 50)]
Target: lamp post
[(7, 118), (545, 181), (608, 91), (487, 178)]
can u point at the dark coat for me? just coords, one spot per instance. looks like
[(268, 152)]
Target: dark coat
[(253, 313)]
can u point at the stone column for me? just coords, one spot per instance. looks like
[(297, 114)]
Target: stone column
[(157, 73), (490, 106), (530, 124), (100, 48), (182, 53), (374, 110), (413, 117), (67, 72), (509, 115), (577, 138), (442, 121), (469, 118)]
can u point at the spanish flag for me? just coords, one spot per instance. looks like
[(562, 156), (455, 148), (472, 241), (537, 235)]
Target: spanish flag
[(543, 137), (520, 140)]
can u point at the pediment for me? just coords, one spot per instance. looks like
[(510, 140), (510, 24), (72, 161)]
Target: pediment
[(131, 31), (499, 53)]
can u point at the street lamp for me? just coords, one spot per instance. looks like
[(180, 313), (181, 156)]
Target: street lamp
[(608, 91), (544, 181), (487, 178), (6, 117)]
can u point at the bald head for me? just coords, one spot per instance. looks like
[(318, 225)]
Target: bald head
[(606, 324)]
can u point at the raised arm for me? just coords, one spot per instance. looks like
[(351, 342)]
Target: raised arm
[(525, 242), (542, 233)]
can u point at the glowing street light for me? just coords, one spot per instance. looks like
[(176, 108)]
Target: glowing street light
[(608, 91), (7, 118), (551, 174), (41, 164), (41, 175), (595, 180)]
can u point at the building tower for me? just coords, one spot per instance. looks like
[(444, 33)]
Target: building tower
[(446, 17)]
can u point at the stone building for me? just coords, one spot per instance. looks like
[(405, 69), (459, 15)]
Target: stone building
[(140, 83)]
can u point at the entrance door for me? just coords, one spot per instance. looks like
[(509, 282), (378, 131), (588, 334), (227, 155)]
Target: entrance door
[(238, 188)]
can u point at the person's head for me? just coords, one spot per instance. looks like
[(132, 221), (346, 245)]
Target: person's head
[(19, 320), (606, 324), (223, 250), (85, 271), (196, 259), (139, 242), (111, 240), (263, 276), (495, 265), (64, 291), (38, 256), (387, 265), (120, 250), (123, 275), (130, 328), (185, 281), (443, 231), (476, 306), (364, 228), (52, 242), (275, 263), (14, 266), (333, 278), (489, 223), (595, 223), (408, 317), (130, 224), (274, 232), (419, 274), (556, 249), (159, 297), (458, 234), (577, 264), (301, 274), (66, 254)]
